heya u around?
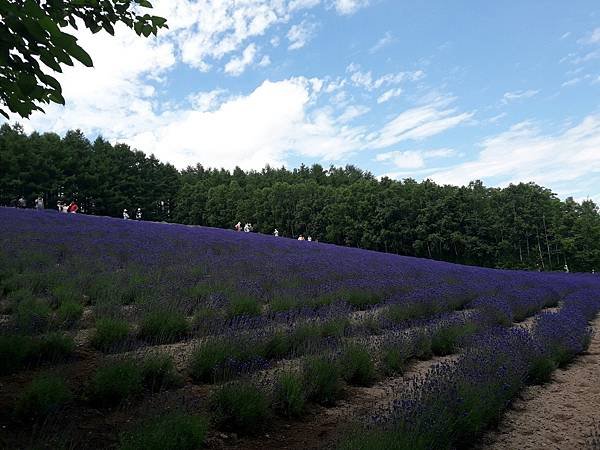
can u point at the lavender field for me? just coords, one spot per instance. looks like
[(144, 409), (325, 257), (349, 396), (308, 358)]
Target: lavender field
[(125, 334)]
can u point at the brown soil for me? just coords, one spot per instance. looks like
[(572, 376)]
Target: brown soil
[(558, 415)]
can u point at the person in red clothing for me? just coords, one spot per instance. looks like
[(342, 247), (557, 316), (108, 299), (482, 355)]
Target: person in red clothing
[(73, 207)]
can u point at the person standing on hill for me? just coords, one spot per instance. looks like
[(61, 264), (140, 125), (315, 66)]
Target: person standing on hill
[(125, 214), (238, 226), (21, 203), (138, 214), (73, 208), (39, 203), (276, 232)]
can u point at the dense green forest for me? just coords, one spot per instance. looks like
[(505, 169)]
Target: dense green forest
[(520, 226)]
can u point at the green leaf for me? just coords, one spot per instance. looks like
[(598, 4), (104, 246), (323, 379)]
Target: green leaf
[(51, 81), (49, 60), (57, 98), (81, 55)]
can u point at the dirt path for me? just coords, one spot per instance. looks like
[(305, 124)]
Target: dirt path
[(558, 415)]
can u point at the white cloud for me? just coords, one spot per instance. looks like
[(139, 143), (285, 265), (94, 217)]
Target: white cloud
[(205, 31), (524, 153), (366, 81), (265, 61), (303, 4), (414, 159), (118, 93), (121, 97), (403, 160), (347, 7), (419, 123), (236, 66), (496, 118), (592, 38), (518, 95), (386, 40), (300, 34), (332, 86), (439, 153), (565, 35), (206, 101), (352, 112), (388, 95)]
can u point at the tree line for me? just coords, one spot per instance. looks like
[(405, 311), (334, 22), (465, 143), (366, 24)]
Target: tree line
[(522, 226)]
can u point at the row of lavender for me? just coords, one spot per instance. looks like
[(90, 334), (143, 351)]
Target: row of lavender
[(454, 402), (228, 283), (257, 300)]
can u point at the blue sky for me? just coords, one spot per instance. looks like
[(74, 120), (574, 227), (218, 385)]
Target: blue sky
[(500, 91)]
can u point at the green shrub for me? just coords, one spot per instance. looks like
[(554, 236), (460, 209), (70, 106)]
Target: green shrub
[(200, 291), (357, 366), (540, 370), (104, 289), (65, 293), (276, 346), (322, 380), (370, 325), (115, 382), (335, 327), (135, 289), (205, 319), (68, 313), (445, 341), (43, 396), (304, 338), (394, 359), (32, 315), (362, 299), (55, 347), (163, 326), (290, 394), (109, 334), (243, 306), (171, 432), (402, 312), (422, 346), (15, 351), (37, 282), (282, 303), (207, 361), (562, 355), (159, 373), (240, 406), (20, 295)]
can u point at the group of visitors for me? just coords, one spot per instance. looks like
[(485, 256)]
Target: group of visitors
[(138, 214), (247, 228), (72, 207)]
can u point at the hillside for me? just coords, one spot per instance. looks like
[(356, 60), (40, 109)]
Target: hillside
[(242, 340), (523, 226)]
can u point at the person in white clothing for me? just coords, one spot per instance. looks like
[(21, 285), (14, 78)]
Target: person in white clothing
[(276, 232), (125, 214)]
